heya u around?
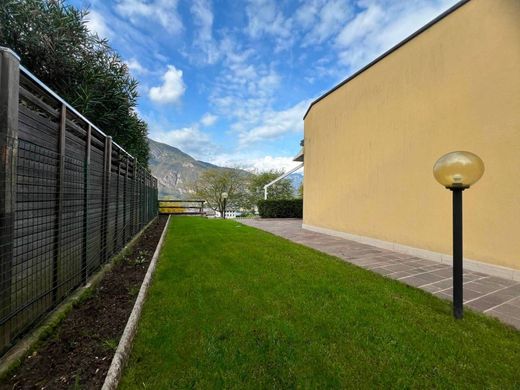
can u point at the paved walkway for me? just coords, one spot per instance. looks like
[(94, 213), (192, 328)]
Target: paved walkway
[(489, 294)]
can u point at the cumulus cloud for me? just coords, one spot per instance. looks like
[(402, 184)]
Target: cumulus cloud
[(274, 124), (268, 163), (321, 19), (380, 25), (190, 140), (265, 18), (171, 89), (255, 164), (135, 66), (96, 24), (208, 119), (163, 12), (245, 91)]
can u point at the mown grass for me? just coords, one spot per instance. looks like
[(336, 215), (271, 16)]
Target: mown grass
[(235, 307)]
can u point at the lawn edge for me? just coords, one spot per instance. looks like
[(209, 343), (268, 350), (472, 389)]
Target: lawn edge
[(27, 344), (125, 342)]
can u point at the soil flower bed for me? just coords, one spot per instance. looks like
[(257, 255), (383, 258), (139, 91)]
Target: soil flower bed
[(78, 354)]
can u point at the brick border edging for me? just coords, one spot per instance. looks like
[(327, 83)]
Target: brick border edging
[(125, 343)]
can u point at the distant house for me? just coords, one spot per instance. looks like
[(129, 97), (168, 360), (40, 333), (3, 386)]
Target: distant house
[(371, 141)]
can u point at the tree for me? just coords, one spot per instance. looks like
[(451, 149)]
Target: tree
[(212, 183), (54, 43), (282, 189)]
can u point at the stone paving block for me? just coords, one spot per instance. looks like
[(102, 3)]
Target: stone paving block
[(430, 278), (444, 284), (382, 270), (398, 267), (510, 292), (443, 295), (484, 288), (413, 281), (399, 274), (505, 318), (508, 310), (431, 288), (515, 302), (494, 281), (486, 302), (445, 272)]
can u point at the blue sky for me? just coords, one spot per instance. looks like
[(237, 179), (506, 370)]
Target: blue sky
[(229, 81)]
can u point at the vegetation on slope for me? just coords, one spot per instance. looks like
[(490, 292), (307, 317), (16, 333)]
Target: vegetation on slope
[(54, 43)]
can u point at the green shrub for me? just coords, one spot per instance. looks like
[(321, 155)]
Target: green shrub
[(281, 208)]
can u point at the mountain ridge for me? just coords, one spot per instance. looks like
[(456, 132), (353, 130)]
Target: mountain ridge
[(175, 170)]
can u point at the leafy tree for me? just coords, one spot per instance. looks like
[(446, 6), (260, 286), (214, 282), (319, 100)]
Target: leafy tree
[(54, 43), (212, 183), (282, 189)]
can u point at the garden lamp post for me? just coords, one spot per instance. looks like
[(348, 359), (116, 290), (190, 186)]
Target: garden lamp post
[(224, 201), (458, 171)]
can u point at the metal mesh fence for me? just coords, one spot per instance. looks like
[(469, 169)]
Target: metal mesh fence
[(70, 199)]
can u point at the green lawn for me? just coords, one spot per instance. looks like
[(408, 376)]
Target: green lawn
[(235, 307)]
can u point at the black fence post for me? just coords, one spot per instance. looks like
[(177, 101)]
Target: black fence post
[(59, 204), (125, 178), (84, 270), (116, 224), (106, 194), (9, 95), (140, 193), (133, 203), (127, 199)]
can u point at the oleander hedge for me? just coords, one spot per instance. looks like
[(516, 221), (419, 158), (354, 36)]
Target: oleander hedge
[(281, 208)]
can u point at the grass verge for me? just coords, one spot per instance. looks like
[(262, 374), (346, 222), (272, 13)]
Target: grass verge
[(233, 306)]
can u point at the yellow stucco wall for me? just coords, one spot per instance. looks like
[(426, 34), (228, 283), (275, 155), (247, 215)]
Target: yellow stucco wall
[(370, 145)]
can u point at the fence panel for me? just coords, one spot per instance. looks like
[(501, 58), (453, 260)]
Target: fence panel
[(70, 199)]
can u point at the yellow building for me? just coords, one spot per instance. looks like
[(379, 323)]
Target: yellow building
[(371, 142)]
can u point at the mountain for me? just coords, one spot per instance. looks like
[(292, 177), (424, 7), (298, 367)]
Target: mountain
[(175, 170)]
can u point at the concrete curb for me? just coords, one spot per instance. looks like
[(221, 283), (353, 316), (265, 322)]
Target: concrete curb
[(125, 343), (19, 351)]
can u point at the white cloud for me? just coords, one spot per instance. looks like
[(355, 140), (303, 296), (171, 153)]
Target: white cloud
[(265, 18), (96, 24), (382, 24), (322, 19), (172, 88), (255, 164), (203, 20), (190, 140), (364, 24), (208, 119), (245, 91), (268, 163), (135, 66), (162, 11), (274, 124)]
